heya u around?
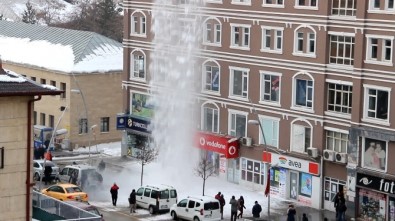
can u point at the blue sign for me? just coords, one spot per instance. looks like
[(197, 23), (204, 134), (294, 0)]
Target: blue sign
[(133, 123)]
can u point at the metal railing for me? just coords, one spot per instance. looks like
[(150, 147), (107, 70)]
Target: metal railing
[(62, 209)]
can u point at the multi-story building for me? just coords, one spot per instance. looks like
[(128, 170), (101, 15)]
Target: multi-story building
[(316, 74), (85, 65)]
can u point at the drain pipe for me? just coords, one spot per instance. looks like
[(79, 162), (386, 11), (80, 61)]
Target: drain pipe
[(28, 155)]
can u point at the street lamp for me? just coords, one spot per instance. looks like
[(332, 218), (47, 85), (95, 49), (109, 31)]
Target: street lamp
[(256, 122), (77, 91)]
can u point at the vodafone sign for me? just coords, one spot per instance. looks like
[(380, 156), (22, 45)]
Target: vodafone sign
[(218, 144)]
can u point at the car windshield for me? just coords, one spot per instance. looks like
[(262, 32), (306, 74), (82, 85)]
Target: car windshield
[(73, 189), (48, 163), (94, 211)]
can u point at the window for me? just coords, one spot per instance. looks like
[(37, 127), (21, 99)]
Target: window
[(305, 184), (191, 204), (104, 124), (272, 39), (379, 49), (211, 77), (273, 3), (301, 138), (140, 192), (51, 121), (212, 32), (305, 41), (381, 5), (182, 203), (138, 24), (336, 140), (374, 154), (332, 186), (252, 171), (304, 93), (210, 119), (34, 117), (63, 88), (43, 81), (376, 102), (237, 124), (239, 82), (341, 49), (241, 2), (137, 65), (33, 78), (344, 7), (83, 126), (240, 36), (42, 119), (147, 192), (306, 3), (270, 128), (339, 98), (53, 83), (270, 87)]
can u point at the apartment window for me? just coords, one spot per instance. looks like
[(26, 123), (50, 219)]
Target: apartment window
[(241, 2), (303, 93), (301, 138), (43, 81), (272, 39), (33, 78), (104, 124), (237, 124), (53, 83), (51, 119), (339, 98), (83, 126), (42, 119), (270, 87), (376, 102), (240, 36), (374, 154), (210, 119), (305, 41), (138, 24), (34, 117), (138, 65), (336, 141), (211, 77), (273, 3), (306, 3), (341, 50), (252, 171), (344, 7), (379, 49), (63, 88), (212, 32), (239, 82), (382, 5), (270, 128)]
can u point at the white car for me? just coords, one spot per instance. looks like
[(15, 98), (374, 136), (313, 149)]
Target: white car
[(156, 198), (197, 208), (38, 169), (87, 176)]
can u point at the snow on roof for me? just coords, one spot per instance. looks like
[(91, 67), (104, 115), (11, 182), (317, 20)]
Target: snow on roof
[(11, 77)]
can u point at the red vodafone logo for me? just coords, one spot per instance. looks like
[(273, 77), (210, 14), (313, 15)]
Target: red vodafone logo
[(202, 141), (232, 150)]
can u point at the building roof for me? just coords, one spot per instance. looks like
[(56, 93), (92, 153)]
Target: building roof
[(59, 48)]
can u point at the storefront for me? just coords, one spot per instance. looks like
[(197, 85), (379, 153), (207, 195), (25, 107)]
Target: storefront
[(375, 198), (223, 152), (294, 179)]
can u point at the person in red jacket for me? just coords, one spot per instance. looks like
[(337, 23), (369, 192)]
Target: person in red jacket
[(114, 194)]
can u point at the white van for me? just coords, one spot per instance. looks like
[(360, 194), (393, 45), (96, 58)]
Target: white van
[(87, 176), (156, 198), (197, 208)]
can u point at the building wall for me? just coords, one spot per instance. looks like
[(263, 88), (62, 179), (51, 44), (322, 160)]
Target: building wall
[(13, 136)]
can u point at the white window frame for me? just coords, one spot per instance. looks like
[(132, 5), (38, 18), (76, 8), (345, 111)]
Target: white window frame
[(380, 39), (245, 80), (213, 1), (333, 112), (274, 142), (204, 72), (292, 148), (231, 113), (215, 111), (242, 36), (132, 67), (306, 42), (367, 87), (275, 4), (294, 88), (262, 88), (308, 5), (241, 2), (339, 131), (142, 22), (341, 34), (274, 37), (385, 9), (345, 9)]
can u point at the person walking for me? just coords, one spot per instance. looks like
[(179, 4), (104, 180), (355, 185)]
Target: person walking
[(132, 201), (114, 194), (241, 207), (47, 174), (256, 210), (304, 218), (291, 212), (222, 204), (74, 177), (341, 208), (233, 208)]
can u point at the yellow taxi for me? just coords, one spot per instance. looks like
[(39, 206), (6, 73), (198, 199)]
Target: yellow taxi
[(65, 191)]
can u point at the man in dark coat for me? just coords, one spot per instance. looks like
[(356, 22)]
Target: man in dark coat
[(222, 204), (47, 174), (256, 210), (132, 201), (114, 194), (233, 208)]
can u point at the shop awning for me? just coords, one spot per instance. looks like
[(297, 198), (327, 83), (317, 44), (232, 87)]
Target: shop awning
[(226, 145)]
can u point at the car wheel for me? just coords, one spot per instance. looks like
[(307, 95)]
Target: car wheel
[(151, 210), (196, 218), (174, 215), (36, 177)]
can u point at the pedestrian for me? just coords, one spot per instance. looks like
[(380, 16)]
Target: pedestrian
[(73, 177), (222, 204), (291, 212), (341, 207), (241, 207), (233, 208), (48, 155), (47, 174), (218, 196), (101, 166), (304, 218), (114, 194), (256, 210), (132, 201)]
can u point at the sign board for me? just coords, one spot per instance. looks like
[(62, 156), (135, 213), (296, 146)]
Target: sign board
[(291, 163), (226, 145), (133, 123), (375, 183)]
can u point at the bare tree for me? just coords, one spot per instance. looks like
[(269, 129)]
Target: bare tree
[(204, 169), (145, 156), (51, 11)]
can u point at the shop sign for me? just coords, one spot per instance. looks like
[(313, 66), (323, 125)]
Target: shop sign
[(133, 123), (376, 183), (291, 163), (226, 145)]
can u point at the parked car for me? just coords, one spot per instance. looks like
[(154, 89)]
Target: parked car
[(85, 206), (196, 208), (87, 176), (156, 198), (38, 169), (66, 191)]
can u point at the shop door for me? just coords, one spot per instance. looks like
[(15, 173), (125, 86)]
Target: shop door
[(233, 170), (293, 187)]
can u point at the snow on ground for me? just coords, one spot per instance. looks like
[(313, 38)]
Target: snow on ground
[(129, 179)]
